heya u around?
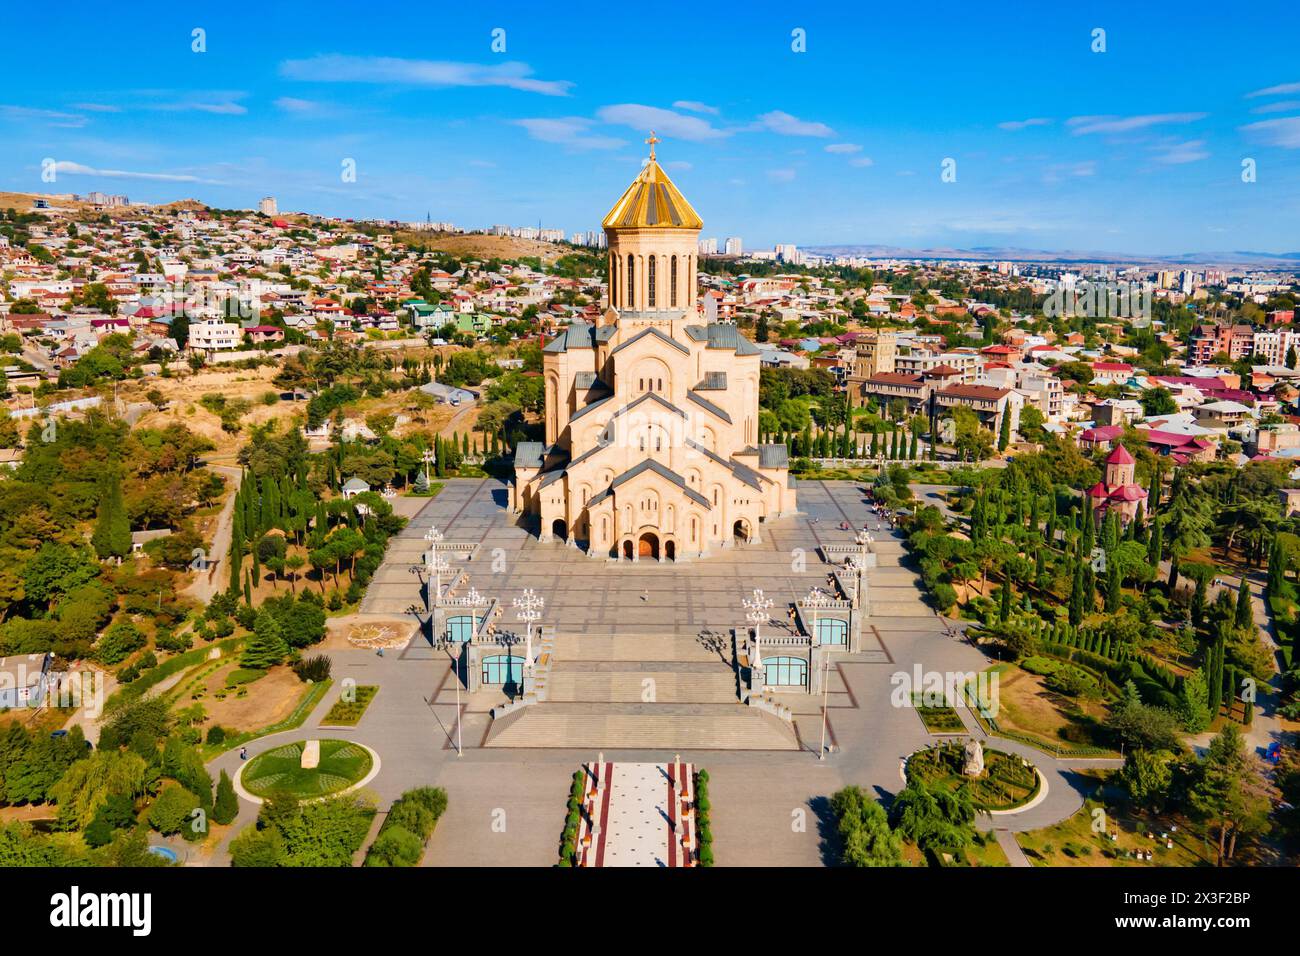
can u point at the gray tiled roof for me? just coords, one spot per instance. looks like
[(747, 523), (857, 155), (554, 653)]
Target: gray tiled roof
[(650, 397), (746, 474), (705, 403), (651, 465), (652, 331), (773, 456), (721, 336), (588, 408), (712, 382), (529, 454)]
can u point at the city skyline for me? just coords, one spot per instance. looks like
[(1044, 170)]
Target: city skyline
[(1137, 150)]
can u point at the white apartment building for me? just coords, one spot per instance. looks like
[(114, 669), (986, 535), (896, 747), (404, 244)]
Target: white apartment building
[(1275, 343), (967, 364), (734, 246), (268, 206), (709, 247), (215, 335)]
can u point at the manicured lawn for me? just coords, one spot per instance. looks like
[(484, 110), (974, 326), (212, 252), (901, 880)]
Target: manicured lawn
[(938, 720), (347, 713), (280, 770)]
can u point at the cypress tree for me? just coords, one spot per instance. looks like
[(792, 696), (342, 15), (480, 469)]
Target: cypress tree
[(1245, 613), (226, 807), (112, 535), (1004, 611), (1113, 592), (1004, 432)]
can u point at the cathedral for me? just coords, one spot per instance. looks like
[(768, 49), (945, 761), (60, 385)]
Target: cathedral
[(652, 446)]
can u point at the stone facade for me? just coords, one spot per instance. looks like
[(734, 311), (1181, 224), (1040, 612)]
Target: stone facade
[(651, 444)]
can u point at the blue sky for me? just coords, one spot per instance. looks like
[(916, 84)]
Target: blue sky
[(1137, 149)]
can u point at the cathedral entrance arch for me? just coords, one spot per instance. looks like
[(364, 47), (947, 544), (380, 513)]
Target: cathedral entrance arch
[(648, 546), (627, 550), (559, 529), (670, 550), (740, 531)]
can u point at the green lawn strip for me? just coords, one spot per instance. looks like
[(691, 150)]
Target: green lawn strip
[(342, 764), (155, 675), (347, 713), (311, 697)]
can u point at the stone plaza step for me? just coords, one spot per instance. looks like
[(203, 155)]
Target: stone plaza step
[(615, 726), (575, 646), (633, 682)]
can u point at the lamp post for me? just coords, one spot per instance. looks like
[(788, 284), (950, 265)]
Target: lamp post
[(756, 613), (429, 457), (818, 598), (528, 608)]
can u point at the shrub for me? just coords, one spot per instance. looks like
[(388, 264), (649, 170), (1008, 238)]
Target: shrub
[(315, 668)]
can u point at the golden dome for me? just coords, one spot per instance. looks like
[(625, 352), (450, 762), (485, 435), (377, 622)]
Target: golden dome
[(652, 201)]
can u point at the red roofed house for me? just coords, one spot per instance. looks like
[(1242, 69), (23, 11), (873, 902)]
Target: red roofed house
[(1111, 373), (1118, 491)]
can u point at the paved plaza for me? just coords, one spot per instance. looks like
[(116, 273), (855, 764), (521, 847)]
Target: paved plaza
[(770, 806)]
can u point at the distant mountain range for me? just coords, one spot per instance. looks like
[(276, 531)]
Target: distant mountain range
[(1255, 260)]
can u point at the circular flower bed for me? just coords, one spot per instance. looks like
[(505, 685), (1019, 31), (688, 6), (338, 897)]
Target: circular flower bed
[(1008, 781), (280, 771)]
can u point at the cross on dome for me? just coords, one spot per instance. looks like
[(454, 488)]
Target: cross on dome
[(652, 140)]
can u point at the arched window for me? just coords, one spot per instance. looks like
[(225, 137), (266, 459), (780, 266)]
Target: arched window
[(650, 284), (503, 669), (672, 284), (832, 631), (613, 280), (461, 627), (631, 282), (785, 671)]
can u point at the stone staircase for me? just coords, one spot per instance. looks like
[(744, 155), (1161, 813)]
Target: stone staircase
[(640, 691)]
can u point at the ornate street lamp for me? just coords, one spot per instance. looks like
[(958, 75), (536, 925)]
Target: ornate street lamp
[(528, 608), (756, 613)]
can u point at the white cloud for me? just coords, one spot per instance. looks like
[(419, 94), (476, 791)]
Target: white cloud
[(780, 175), (787, 125), (337, 68), (1055, 172), (843, 148), (1281, 106), (299, 107), (862, 161), (1281, 88), (679, 166), (79, 169), (1284, 132), (695, 106), (1015, 125), (662, 121), (1178, 153), (97, 107), (30, 114), (1084, 125), (571, 131)]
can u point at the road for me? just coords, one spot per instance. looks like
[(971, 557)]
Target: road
[(206, 584)]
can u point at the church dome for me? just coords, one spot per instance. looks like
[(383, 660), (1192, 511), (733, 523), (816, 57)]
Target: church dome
[(652, 201)]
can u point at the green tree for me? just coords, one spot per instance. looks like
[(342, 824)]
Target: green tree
[(867, 840), (267, 647), (226, 807), (1227, 793)]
